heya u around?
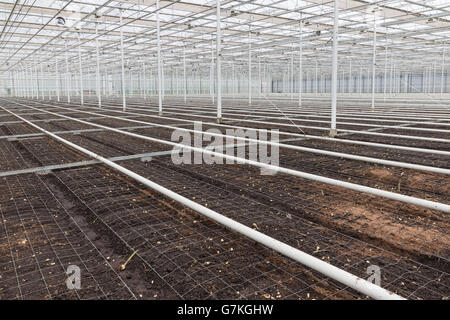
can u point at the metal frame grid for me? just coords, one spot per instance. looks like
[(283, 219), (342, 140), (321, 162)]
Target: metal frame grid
[(391, 46)]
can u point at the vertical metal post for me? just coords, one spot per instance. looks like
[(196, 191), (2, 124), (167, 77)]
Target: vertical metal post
[(392, 73), (22, 82), (57, 79), (333, 130), (264, 79), (360, 80), (442, 71), (211, 72), (49, 91), (81, 70), (30, 78), (11, 84), (163, 80), (177, 91), (218, 62), (291, 75), (67, 74), (300, 71), (423, 81), (385, 71), (184, 74), (434, 75), (30, 81), (36, 76), (233, 80), (350, 80), (374, 57), (259, 75), (316, 83), (158, 40), (27, 83), (249, 65), (368, 78), (97, 75), (42, 81), (124, 100)]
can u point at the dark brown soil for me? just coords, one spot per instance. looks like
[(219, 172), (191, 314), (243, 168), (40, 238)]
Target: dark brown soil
[(97, 219)]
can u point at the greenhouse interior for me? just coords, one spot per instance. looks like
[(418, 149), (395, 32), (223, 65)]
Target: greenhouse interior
[(224, 150)]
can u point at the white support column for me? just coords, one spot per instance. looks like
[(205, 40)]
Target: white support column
[(11, 84), (218, 62), (184, 75), (30, 81), (144, 70), (37, 87), (158, 40), (249, 66), (97, 74), (124, 99), (264, 83), (300, 71), (374, 57), (233, 80), (350, 79), (42, 81), (176, 83), (423, 81), (392, 74), (152, 82), (48, 82), (81, 70), (434, 75), (57, 79), (385, 71), (259, 75), (211, 73), (27, 82), (21, 82), (334, 80), (316, 84), (442, 70), (67, 74), (291, 75), (14, 84)]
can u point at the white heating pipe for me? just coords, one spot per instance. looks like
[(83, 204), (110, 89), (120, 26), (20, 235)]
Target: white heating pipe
[(347, 141), (341, 130), (287, 146), (358, 124), (352, 186), (326, 269)]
